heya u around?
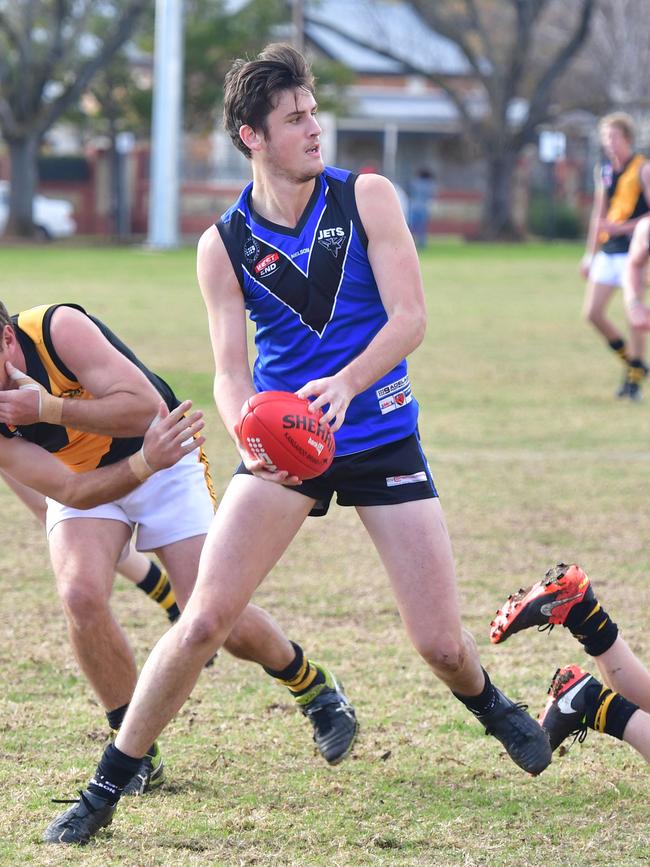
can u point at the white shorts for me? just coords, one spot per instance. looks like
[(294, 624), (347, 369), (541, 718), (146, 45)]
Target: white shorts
[(608, 268), (171, 505)]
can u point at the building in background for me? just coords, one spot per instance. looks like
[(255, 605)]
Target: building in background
[(393, 121)]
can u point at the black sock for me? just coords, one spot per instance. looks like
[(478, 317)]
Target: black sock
[(116, 717), (618, 346), (157, 587), (301, 677), (113, 773), (592, 626), (483, 702), (608, 711)]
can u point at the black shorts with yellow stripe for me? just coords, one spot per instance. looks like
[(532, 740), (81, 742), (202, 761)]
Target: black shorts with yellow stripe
[(397, 472)]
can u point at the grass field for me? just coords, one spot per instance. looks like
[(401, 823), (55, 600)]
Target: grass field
[(535, 462)]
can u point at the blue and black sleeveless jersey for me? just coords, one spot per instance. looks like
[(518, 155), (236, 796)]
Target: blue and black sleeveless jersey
[(313, 298), (79, 450)]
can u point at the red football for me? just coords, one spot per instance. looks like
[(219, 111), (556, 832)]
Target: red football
[(277, 427)]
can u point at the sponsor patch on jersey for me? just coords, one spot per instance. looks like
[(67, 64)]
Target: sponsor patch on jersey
[(251, 249), (395, 395), (267, 265), (394, 481)]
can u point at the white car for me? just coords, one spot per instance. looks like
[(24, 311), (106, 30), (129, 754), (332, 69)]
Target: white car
[(53, 218)]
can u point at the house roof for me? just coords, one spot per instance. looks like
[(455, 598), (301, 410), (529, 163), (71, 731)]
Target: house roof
[(391, 26), (408, 110)]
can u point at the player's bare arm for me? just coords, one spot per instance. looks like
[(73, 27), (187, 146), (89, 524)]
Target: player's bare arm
[(168, 440), (124, 401), (395, 264), (634, 281), (224, 302), (598, 211)]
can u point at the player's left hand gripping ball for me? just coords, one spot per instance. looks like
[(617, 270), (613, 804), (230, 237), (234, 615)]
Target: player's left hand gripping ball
[(278, 428)]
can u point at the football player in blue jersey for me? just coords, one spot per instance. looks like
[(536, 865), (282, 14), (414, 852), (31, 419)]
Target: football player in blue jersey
[(326, 266)]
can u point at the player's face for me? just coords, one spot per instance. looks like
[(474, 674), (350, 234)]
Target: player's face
[(292, 140), (614, 143)]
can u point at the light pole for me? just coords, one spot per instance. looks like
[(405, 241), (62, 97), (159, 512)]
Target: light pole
[(298, 25), (166, 125)]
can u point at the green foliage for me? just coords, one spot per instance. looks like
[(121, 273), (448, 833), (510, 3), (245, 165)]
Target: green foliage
[(213, 38), (555, 219)]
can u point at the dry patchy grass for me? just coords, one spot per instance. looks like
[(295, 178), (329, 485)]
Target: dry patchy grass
[(535, 463)]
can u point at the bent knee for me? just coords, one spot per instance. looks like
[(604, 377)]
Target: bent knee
[(203, 632), (445, 656), (82, 604), (592, 315)]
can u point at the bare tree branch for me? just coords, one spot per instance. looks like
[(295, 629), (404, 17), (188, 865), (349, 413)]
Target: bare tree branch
[(476, 20), (429, 11), (83, 76), (538, 104), (440, 80), (498, 40)]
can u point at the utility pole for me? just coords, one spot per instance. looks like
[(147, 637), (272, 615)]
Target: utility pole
[(166, 125), (298, 25)]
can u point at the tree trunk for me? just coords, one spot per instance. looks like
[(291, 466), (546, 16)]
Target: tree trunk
[(497, 223), (23, 153)]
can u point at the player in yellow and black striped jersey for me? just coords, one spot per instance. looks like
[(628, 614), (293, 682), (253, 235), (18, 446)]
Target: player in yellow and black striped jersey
[(144, 573), (88, 400), (622, 197)]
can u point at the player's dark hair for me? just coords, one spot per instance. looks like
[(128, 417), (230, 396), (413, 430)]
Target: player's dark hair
[(252, 88), (5, 318)]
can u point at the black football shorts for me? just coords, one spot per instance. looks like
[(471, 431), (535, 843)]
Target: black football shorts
[(394, 473)]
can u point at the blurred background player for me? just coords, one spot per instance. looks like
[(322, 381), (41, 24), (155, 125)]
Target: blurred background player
[(622, 195), (144, 573), (619, 705), (422, 189)]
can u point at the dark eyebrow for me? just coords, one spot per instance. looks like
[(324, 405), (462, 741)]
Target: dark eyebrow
[(297, 113)]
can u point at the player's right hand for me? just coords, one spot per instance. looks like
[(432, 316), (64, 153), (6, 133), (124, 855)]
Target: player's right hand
[(260, 469), (172, 435), (585, 265)]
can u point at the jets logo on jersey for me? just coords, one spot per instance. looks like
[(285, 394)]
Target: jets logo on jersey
[(332, 240)]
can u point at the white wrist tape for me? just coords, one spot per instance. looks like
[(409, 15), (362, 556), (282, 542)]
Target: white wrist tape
[(50, 408)]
